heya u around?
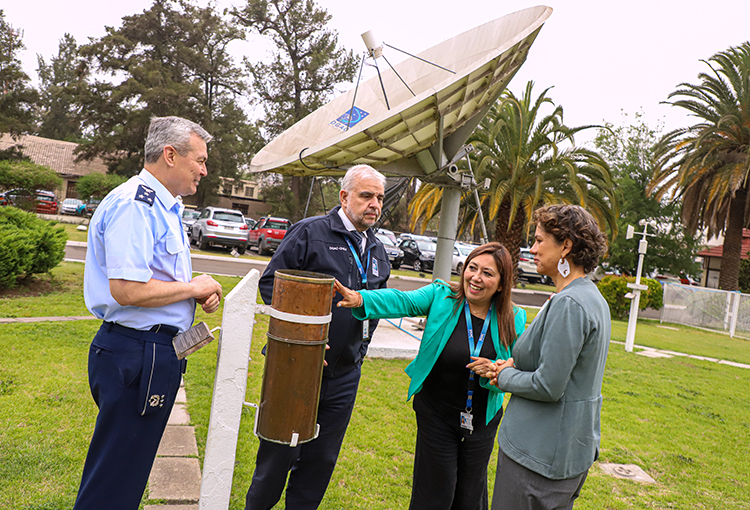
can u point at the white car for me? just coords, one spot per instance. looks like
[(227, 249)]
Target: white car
[(71, 206), (460, 252)]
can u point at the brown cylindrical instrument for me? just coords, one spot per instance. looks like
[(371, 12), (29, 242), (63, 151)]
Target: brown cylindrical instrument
[(297, 336)]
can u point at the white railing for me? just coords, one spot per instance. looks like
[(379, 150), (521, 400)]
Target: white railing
[(713, 309), (229, 393)]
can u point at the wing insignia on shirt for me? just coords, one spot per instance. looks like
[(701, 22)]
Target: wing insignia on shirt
[(145, 194)]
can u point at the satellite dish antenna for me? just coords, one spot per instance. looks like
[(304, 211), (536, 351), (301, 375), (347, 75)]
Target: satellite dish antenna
[(414, 118)]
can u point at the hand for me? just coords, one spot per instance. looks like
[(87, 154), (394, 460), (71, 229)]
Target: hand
[(211, 303), (501, 365), (482, 367), (351, 298), (204, 287)]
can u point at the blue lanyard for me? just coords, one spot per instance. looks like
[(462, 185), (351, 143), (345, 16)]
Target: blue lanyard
[(362, 271), (474, 349)]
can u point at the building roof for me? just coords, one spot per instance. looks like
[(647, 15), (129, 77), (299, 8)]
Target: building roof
[(718, 251), (55, 154)]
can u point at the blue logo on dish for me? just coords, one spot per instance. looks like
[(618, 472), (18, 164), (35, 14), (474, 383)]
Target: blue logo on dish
[(349, 119)]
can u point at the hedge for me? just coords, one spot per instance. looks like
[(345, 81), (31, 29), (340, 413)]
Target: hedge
[(614, 288), (28, 245)]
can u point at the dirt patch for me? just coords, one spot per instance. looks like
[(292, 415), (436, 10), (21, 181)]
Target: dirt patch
[(31, 287)]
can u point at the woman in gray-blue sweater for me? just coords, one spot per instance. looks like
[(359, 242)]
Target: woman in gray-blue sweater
[(549, 436)]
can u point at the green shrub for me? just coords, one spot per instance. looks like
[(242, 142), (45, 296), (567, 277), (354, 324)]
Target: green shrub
[(654, 295), (614, 288), (28, 245)]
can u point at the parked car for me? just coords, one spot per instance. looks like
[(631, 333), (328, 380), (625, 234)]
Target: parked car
[(460, 252), (527, 269), (268, 233), (71, 206), (418, 254), (395, 255), (216, 226), (45, 201), (250, 222), (91, 205), (389, 234), (188, 218)]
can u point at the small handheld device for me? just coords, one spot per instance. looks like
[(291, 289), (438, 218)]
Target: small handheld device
[(191, 340)]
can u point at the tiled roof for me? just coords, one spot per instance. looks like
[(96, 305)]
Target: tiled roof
[(55, 154), (718, 251)]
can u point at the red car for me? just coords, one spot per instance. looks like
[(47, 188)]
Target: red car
[(268, 233), (46, 203)]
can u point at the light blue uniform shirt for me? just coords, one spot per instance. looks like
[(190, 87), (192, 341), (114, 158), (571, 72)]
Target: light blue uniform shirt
[(136, 234)]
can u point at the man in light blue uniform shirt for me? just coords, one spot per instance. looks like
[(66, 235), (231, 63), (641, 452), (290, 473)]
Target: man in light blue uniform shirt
[(138, 280)]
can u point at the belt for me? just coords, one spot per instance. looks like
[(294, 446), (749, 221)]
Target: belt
[(159, 334)]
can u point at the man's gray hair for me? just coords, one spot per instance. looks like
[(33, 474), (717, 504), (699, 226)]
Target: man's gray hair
[(174, 131), (358, 172)]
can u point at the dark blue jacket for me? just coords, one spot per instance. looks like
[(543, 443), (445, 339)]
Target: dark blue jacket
[(319, 244)]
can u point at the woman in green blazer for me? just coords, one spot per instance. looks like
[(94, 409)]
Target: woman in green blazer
[(469, 326), (549, 437)]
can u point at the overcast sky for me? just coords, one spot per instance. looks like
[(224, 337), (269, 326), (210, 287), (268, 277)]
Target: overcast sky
[(602, 57)]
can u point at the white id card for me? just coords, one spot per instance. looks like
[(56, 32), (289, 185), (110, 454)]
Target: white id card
[(365, 329), (466, 421)]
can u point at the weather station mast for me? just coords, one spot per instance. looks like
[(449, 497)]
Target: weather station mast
[(637, 287)]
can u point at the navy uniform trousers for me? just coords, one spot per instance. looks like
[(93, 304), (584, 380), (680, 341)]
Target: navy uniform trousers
[(134, 377), (311, 463)]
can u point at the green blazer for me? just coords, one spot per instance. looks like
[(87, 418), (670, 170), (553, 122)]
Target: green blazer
[(436, 303)]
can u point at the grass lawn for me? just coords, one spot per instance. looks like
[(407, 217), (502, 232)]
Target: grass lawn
[(685, 421)]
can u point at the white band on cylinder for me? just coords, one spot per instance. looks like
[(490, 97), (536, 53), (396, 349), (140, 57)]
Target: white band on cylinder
[(293, 317)]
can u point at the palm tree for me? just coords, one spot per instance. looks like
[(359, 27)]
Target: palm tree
[(531, 160), (707, 164)]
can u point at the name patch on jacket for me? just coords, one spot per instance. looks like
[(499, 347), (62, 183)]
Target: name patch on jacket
[(337, 248), (145, 194)]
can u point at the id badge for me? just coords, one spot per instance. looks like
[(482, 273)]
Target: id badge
[(365, 329), (466, 421)]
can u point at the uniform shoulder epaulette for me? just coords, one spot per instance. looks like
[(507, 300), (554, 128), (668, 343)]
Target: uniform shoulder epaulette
[(145, 194)]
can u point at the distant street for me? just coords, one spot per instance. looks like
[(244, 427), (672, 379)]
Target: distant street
[(240, 267)]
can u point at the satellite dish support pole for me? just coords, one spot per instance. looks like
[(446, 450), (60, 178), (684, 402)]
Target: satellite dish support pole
[(479, 204), (448, 225), (447, 233)]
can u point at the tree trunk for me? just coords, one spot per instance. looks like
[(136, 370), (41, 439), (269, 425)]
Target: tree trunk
[(511, 237), (297, 193), (730, 259)]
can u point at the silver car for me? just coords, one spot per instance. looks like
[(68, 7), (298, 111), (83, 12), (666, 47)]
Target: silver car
[(188, 218), (71, 206), (215, 226), (460, 252)]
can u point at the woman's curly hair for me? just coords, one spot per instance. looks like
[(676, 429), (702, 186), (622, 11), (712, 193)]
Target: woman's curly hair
[(577, 224)]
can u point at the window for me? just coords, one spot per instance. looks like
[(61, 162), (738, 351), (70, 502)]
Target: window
[(249, 191), (240, 207)]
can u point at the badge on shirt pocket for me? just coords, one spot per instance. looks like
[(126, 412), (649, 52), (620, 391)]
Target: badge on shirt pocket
[(375, 271)]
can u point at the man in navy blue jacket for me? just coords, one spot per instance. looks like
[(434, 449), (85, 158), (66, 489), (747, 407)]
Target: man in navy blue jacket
[(341, 244)]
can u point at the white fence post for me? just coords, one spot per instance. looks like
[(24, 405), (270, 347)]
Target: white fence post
[(229, 393), (735, 313)]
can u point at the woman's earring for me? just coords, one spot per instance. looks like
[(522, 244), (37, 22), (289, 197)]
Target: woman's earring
[(563, 267)]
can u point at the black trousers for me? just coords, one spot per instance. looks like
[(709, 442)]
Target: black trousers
[(132, 413), (519, 488), (312, 463), (450, 464)]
